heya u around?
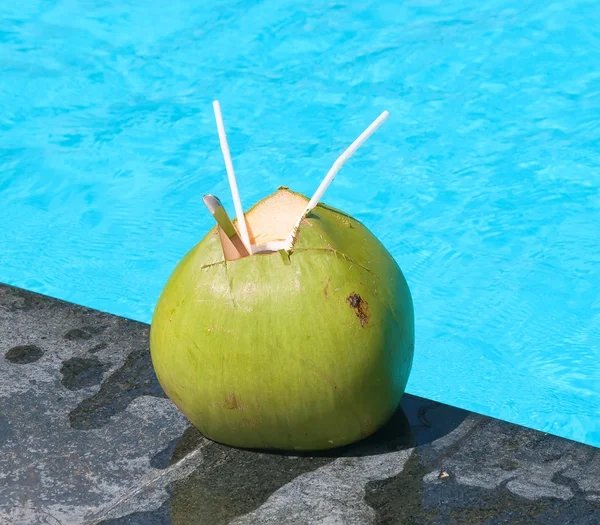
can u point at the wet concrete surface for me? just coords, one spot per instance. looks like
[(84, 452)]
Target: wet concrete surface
[(88, 437)]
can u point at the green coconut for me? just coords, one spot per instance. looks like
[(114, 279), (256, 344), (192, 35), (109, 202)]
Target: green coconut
[(304, 349)]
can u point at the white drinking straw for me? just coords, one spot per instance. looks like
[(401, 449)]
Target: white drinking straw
[(237, 202), (337, 166)]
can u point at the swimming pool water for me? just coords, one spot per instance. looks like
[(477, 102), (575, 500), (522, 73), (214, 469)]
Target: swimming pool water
[(484, 182)]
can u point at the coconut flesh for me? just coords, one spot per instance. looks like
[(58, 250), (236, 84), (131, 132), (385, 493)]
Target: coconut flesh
[(304, 348)]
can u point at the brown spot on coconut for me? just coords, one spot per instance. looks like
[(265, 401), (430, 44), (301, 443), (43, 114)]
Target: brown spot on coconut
[(360, 307)]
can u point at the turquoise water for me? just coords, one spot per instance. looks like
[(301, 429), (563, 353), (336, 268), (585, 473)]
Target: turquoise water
[(483, 183)]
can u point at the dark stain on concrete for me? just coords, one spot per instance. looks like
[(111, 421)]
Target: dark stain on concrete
[(24, 354), (190, 441), (400, 499), (178, 448), (97, 348), (18, 300), (233, 482), (407, 499), (82, 372), (134, 379), (162, 459), (84, 333), (160, 516), (230, 483)]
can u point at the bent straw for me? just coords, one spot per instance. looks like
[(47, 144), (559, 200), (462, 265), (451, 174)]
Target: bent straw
[(237, 202), (337, 166)]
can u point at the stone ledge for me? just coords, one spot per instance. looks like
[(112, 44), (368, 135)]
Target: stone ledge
[(88, 437)]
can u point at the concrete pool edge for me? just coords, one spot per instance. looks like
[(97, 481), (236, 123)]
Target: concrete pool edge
[(88, 437)]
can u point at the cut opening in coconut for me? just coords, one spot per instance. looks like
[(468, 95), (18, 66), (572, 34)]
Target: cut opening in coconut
[(269, 223), (272, 224)]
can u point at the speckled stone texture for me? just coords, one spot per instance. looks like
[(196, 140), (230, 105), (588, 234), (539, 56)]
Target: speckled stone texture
[(88, 437)]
